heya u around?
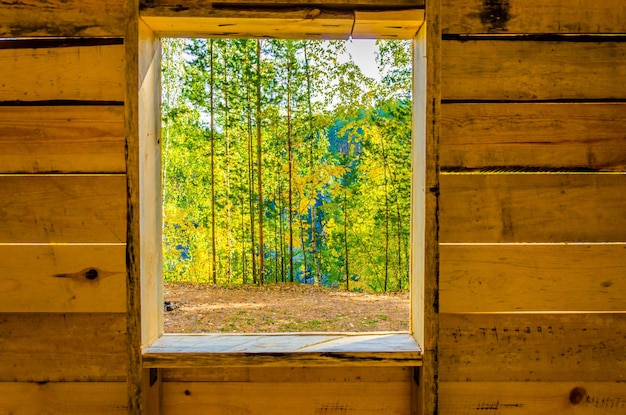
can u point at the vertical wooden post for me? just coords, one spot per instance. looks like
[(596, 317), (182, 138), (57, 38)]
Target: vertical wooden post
[(143, 166)]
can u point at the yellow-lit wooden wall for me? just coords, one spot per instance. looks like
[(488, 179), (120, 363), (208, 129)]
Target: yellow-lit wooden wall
[(532, 150), (532, 276)]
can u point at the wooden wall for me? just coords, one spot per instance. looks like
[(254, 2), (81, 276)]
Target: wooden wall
[(532, 225)]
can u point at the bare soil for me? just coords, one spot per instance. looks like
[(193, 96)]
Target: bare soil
[(275, 308)]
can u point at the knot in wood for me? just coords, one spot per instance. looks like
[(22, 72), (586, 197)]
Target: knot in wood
[(91, 274), (577, 395)]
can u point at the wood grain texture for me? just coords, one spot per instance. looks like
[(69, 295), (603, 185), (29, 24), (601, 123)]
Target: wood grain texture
[(583, 136), (538, 398), (533, 16), (63, 278), (78, 139), (532, 347), (200, 5), (289, 350), (62, 208), (533, 208), (70, 398), (64, 18), (533, 70), (88, 73), (505, 278), (42, 347), (302, 398), (290, 374)]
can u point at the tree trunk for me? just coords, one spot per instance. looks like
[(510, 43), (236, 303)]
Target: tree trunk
[(211, 109), (290, 160), (345, 236), (259, 157), (250, 173)]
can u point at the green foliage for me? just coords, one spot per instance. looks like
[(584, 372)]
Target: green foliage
[(349, 140)]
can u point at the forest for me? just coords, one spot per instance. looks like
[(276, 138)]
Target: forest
[(283, 162)]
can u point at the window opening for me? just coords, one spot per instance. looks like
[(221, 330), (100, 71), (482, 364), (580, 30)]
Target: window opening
[(286, 185)]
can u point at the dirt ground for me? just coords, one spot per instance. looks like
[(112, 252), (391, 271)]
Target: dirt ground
[(274, 308)]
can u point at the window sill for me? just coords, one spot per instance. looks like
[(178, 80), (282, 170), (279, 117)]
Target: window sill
[(289, 349)]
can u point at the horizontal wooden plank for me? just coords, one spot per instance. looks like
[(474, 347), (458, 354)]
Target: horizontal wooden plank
[(78, 139), (400, 24), (532, 208), (200, 5), (63, 208), (87, 73), (280, 350), (44, 347), (532, 70), (540, 135), (290, 374), (504, 278), (537, 398), (532, 347), (63, 18), (264, 398), (68, 398), (63, 278), (533, 16)]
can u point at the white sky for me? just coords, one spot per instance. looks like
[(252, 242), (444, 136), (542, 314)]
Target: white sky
[(362, 51)]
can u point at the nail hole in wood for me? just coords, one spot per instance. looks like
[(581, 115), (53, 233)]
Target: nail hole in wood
[(91, 274)]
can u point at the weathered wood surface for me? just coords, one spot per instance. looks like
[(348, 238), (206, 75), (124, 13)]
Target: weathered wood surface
[(401, 24), (44, 347), (529, 347), (532, 208), (571, 136), (69, 398), (84, 73), (505, 278), (290, 374), (77, 139), (200, 5), (537, 398), (533, 16), (304, 398), (533, 70), (63, 278), (185, 351), (64, 18), (64, 208)]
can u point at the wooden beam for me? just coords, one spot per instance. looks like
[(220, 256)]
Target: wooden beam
[(533, 70), (534, 16), (42, 347), (69, 398), (400, 24), (81, 73), (488, 208), (536, 277), (78, 139), (554, 136), (197, 6), (64, 208), (532, 347), (577, 397), (63, 278), (62, 18)]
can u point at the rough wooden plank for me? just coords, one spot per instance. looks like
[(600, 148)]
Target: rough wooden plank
[(94, 398), (532, 347), (200, 5), (533, 208), (88, 73), (186, 351), (587, 136), (505, 278), (538, 398), (302, 398), (63, 18), (533, 70), (286, 24), (44, 347), (400, 24), (62, 208), (290, 374), (533, 16), (63, 278), (78, 139)]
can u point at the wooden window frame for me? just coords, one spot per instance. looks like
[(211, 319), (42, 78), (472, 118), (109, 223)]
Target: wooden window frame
[(150, 346)]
